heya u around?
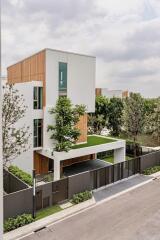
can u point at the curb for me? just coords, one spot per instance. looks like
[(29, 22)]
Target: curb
[(27, 230), (46, 222)]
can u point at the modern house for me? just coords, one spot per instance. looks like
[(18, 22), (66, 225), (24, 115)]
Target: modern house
[(42, 78), (111, 93)]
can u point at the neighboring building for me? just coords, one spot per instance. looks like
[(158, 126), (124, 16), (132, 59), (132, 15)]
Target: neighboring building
[(111, 93), (42, 78)]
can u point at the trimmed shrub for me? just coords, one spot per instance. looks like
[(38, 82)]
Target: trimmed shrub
[(25, 177), (151, 170), (19, 221), (81, 197)]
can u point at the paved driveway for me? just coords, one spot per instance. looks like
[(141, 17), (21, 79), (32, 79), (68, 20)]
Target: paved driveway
[(132, 216), (84, 166)]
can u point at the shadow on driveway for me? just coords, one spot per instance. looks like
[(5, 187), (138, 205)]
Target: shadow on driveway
[(84, 166)]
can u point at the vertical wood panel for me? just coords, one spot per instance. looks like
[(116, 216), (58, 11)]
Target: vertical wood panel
[(29, 69), (82, 126)]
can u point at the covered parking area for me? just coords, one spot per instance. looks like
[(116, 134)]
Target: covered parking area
[(62, 158), (84, 166)]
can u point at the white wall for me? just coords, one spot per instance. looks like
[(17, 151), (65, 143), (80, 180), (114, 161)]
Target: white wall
[(80, 78), (25, 160), (80, 84)]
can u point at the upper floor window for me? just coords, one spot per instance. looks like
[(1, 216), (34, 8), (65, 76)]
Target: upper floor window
[(62, 78), (38, 132), (37, 98)]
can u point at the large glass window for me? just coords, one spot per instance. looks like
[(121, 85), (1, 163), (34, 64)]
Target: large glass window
[(37, 98), (62, 78), (38, 132)]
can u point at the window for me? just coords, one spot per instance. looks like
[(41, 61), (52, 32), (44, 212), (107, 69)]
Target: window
[(38, 127), (62, 79), (37, 96)]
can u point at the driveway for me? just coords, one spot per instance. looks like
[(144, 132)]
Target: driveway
[(132, 216), (84, 166)]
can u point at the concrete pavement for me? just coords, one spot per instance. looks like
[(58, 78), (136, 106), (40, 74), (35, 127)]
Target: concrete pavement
[(134, 215)]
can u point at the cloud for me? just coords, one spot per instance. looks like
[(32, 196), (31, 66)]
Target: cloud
[(123, 35)]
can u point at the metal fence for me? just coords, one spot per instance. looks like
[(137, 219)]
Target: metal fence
[(51, 193)]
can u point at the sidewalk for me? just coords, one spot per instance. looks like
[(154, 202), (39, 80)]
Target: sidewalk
[(42, 223), (120, 187), (103, 194)]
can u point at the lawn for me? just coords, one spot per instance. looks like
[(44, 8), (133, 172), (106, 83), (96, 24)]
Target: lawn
[(92, 141), (111, 159), (47, 211)]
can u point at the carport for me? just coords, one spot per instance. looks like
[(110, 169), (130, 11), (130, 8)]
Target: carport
[(84, 166)]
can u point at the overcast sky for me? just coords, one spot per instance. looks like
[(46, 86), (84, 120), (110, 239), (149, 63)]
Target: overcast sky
[(124, 35)]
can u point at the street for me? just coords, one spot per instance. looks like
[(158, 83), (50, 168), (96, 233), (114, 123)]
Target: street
[(132, 216)]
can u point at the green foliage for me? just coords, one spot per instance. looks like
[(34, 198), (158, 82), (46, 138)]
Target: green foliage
[(115, 112), (151, 170), (133, 116), (25, 177), (66, 116), (97, 121), (92, 141), (15, 140), (81, 197), (19, 221), (152, 123), (47, 211)]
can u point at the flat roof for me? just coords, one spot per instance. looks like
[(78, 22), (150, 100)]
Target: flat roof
[(70, 52), (50, 49)]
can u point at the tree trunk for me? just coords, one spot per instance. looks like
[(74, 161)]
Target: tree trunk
[(134, 147)]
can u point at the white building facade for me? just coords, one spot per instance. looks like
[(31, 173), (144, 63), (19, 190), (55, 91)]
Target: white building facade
[(42, 79)]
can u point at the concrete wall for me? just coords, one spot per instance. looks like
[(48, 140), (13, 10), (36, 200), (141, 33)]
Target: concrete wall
[(12, 183), (150, 160), (18, 203)]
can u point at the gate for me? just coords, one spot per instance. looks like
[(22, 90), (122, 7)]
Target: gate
[(59, 190)]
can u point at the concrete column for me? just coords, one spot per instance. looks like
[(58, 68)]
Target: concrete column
[(119, 155), (57, 169)]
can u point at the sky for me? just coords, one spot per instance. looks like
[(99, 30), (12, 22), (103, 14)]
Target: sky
[(124, 35)]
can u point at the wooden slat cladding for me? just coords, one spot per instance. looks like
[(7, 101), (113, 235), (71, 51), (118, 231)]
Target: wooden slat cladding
[(29, 69), (82, 126), (98, 91), (41, 163)]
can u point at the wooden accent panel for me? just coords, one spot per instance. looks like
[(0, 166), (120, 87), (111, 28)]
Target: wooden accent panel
[(71, 161), (41, 163), (82, 126), (125, 94), (98, 91), (29, 69)]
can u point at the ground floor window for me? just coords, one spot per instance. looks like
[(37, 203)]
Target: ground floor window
[(38, 127)]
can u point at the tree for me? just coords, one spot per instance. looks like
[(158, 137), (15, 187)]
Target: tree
[(115, 112), (97, 121), (66, 117), (15, 139), (153, 122), (133, 116)]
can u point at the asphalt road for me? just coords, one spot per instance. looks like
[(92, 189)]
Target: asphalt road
[(132, 216)]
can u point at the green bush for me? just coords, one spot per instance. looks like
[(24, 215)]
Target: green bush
[(25, 177), (151, 170), (19, 221), (81, 197)]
